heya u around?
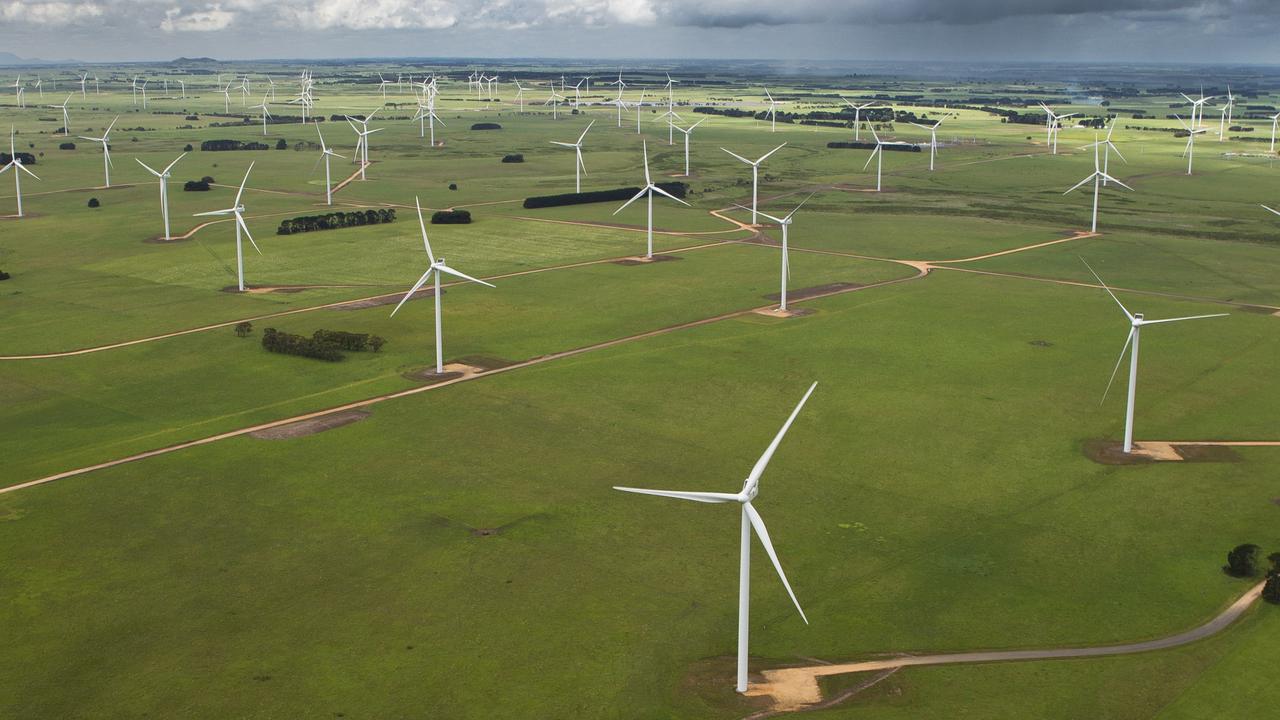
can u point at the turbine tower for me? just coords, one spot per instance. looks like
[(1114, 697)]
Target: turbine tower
[(755, 176)]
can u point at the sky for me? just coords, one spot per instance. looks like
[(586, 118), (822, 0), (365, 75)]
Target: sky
[(1234, 31)]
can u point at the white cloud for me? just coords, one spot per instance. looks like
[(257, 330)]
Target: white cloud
[(48, 13), (208, 20)]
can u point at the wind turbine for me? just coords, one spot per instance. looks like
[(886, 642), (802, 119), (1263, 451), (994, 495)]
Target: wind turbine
[(755, 176), (877, 155), (325, 153), (857, 115), (1226, 115), (84, 78), (772, 111), (183, 84), (671, 110), (382, 86), (750, 520), (226, 98), (618, 101), (639, 105), (1274, 120), (363, 133), (1190, 150), (687, 132), (1097, 176), (554, 101), (66, 120), (427, 113), (237, 210), (578, 167), (1197, 107), (106, 151), (143, 88), (520, 96), (17, 90), (649, 189), (1054, 124), (1136, 322), (437, 268), (785, 223), (163, 175), (1107, 147), (265, 113), (933, 140), (39, 85), (15, 163)]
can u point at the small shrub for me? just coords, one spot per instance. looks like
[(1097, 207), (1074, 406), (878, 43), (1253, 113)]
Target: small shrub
[(93, 202), (1271, 591), (513, 158), (244, 329), (192, 117), (1242, 561), (486, 126), (208, 179), (67, 146), (188, 148), (195, 186), (453, 186), (451, 217), (281, 144), (5, 276)]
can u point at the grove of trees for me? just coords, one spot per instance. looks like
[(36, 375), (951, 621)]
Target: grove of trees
[(335, 220)]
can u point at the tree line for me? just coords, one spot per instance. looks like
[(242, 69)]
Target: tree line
[(1243, 561), (336, 220), (677, 189), (219, 145), (327, 345)]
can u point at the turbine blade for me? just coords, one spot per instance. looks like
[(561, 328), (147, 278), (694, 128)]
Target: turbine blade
[(660, 191), (148, 167), (1180, 319), (1082, 182), (175, 162), (754, 478), (739, 157), (1108, 177), (871, 157), (423, 226), (633, 199), (1113, 147), (1104, 287), (245, 228), (416, 287), (464, 276), (758, 523), (1275, 212), (702, 497), (1116, 369), (242, 184), (762, 157)]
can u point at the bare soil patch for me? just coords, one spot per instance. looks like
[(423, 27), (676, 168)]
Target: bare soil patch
[(485, 362), (1111, 452), (312, 426), (1207, 453), (429, 375), (815, 291), (283, 289), (641, 260), (788, 313)]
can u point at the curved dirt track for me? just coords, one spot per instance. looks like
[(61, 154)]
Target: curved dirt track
[(797, 688)]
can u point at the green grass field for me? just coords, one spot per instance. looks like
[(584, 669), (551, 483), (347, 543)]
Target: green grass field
[(459, 552)]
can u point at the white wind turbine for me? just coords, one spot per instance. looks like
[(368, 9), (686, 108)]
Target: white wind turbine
[(66, 119), (520, 96), (772, 111), (1197, 107), (1226, 115), (84, 78), (325, 153), (671, 110), (226, 98), (639, 104), (106, 151), (382, 86), (877, 155), (618, 101), (39, 85), (1054, 124), (163, 176), (1274, 120), (1136, 322), (427, 114), (1190, 150), (649, 189), (933, 140), (785, 223), (15, 164), (17, 90), (1097, 176), (750, 520), (579, 169), (362, 143), (554, 101), (437, 268), (687, 132), (237, 209), (755, 176), (266, 113), (1107, 147), (183, 85), (857, 115), (143, 88)]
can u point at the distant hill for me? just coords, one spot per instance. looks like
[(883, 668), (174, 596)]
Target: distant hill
[(11, 60), (192, 61)]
